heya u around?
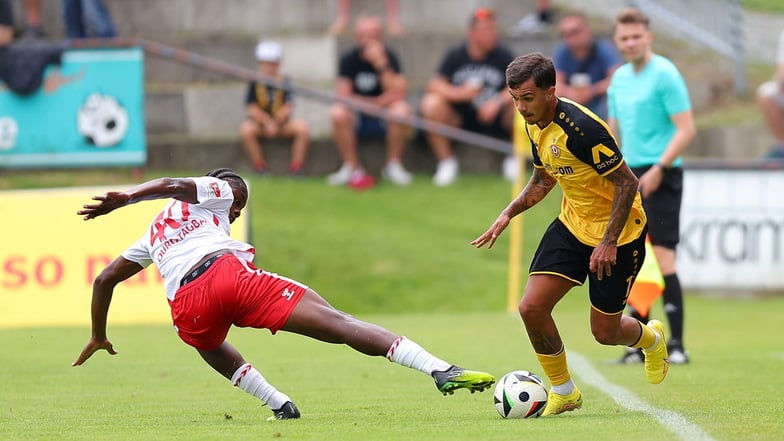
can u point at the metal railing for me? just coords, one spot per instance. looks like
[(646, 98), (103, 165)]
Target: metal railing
[(240, 73)]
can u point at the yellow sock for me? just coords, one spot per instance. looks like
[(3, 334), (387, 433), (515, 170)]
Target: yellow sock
[(554, 367), (647, 339)]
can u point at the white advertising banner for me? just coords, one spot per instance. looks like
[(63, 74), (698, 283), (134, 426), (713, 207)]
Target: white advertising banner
[(732, 230)]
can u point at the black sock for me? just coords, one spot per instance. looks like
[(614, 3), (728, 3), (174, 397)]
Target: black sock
[(636, 314), (673, 306)]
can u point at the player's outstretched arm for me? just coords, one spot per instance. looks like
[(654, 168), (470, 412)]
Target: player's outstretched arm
[(537, 188), (183, 189), (103, 288)]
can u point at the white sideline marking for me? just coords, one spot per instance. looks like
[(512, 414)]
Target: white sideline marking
[(672, 421), (778, 355)]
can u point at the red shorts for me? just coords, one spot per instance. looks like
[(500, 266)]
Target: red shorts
[(232, 292)]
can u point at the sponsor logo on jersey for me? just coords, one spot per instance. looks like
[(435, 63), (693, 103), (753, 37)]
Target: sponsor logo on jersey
[(287, 293), (600, 152), (214, 190)]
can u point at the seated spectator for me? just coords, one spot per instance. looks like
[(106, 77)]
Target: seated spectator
[(394, 27), (22, 66), (269, 114), (771, 99), (87, 18), (369, 72), (469, 91), (583, 64)]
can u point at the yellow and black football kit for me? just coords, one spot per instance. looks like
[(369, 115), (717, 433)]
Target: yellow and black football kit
[(578, 150)]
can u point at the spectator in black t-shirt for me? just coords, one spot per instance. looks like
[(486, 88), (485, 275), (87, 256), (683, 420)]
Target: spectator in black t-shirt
[(369, 72), (469, 91), (269, 114)]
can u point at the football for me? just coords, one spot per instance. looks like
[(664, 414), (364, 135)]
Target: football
[(520, 394)]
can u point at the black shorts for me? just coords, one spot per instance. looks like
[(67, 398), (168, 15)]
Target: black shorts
[(368, 126), (469, 121), (663, 208), (561, 254)]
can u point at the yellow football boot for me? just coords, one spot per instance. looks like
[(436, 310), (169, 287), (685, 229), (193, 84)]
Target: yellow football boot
[(656, 361)]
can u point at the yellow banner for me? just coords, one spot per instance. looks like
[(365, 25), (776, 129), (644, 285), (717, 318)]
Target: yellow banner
[(49, 257)]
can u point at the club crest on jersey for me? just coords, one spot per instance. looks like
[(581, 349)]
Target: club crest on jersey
[(556, 151), (214, 190)]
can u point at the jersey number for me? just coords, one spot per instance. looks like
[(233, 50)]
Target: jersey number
[(158, 227)]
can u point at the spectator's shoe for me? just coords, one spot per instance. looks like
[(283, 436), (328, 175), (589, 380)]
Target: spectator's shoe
[(396, 174), (260, 171), (296, 172), (361, 181), (557, 403), (656, 361), (631, 356), (342, 176), (677, 355), (446, 172), (288, 411), (511, 168), (458, 378)]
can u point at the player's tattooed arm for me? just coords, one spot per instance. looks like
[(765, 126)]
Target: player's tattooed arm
[(537, 188), (623, 198)]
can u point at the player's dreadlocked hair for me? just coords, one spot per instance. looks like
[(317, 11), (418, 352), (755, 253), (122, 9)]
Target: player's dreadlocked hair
[(228, 174)]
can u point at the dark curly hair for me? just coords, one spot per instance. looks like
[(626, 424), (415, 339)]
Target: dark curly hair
[(229, 176)]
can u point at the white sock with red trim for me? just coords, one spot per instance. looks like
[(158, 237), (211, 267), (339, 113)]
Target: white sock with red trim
[(251, 381), (409, 354)]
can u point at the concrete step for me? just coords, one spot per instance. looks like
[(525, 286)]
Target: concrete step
[(175, 152)]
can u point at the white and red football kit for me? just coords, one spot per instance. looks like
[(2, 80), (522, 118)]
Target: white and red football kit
[(231, 290)]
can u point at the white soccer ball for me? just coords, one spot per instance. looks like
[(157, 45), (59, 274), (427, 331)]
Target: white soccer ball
[(520, 394)]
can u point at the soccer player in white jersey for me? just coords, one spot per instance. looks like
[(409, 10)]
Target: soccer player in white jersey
[(212, 284)]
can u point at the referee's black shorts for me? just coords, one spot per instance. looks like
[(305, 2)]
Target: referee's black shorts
[(561, 254), (663, 208)]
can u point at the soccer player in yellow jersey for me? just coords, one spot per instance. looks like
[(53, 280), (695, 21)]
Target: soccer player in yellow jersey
[(599, 234)]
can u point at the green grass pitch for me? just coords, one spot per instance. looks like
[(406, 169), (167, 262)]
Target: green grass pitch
[(398, 257)]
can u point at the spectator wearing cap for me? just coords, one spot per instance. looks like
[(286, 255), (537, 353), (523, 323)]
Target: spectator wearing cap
[(269, 110), (370, 72), (469, 91)]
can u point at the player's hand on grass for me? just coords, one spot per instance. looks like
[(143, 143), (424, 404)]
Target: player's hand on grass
[(492, 233), (107, 203), (92, 347)]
